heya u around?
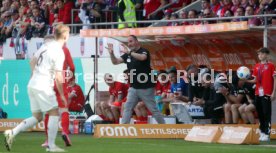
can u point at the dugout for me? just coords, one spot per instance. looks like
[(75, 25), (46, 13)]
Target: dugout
[(221, 46)]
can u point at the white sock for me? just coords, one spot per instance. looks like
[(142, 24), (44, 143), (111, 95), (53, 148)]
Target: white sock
[(25, 125), (52, 130)]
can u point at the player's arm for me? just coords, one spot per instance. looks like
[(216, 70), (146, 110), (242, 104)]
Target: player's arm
[(230, 97), (120, 92), (235, 99), (59, 60), (139, 57), (170, 98), (111, 100), (69, 60), (114, 59), (254, 75), (183, 98), (59, 81), (251, 81), (274, 89), (33, 61), (120, 96), (273, 96)]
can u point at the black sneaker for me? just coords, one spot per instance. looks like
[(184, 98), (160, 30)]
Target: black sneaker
[(66, 140)]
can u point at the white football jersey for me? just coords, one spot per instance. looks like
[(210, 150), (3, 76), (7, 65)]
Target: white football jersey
[(50, 58)]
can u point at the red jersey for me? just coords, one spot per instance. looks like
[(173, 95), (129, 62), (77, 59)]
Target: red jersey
[(150, 6), (225, 8), (179, 3), (51, 18), (77, 102), (61, 14), (215, 8), (158, 88), (162, 89), (68, 6), (264, 74), (64, 14), (68, 63), (118, 88), (166, 88)]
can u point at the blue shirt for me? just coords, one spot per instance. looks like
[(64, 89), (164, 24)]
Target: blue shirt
[(181, 86), (8, 23)]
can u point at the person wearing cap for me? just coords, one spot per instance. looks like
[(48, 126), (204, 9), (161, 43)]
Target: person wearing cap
[(264, 77), (168, 13)]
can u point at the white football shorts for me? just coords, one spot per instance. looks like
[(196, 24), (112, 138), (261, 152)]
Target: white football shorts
[(42, 100)]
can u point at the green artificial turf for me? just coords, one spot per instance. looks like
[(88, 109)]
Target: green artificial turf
[(30, 143)]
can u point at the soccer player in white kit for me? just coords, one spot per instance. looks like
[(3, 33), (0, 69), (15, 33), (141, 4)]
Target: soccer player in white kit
[(47, 66)]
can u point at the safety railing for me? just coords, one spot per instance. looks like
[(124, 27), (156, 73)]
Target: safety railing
[(107, 17), (217, 19)]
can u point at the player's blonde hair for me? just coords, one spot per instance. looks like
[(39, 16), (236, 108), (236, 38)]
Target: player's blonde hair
[(61, 30), (48, 38)]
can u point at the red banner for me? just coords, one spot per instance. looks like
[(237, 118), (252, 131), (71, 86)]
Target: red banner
[(171, 30)]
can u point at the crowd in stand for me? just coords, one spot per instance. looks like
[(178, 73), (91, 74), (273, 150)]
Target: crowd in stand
[(36, 18), (225, 8)]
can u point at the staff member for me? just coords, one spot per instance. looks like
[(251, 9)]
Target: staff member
[(141, 79), (264, 76)]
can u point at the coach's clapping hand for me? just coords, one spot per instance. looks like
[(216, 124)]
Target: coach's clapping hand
[(110, 48), (124, 49)]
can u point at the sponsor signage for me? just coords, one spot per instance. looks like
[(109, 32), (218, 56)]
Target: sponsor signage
[(160, 131), (195, 111), (204, 134), (6, 124), (239, 135), (142, 130)]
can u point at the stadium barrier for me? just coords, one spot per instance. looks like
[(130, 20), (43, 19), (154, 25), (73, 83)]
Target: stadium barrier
[(226, 134), (141, 130), (239, 135), (209, 134), (147, 130), (170, 30), (160, 131)]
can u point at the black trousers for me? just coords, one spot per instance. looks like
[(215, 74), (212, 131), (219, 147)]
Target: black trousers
[(263, 106)]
